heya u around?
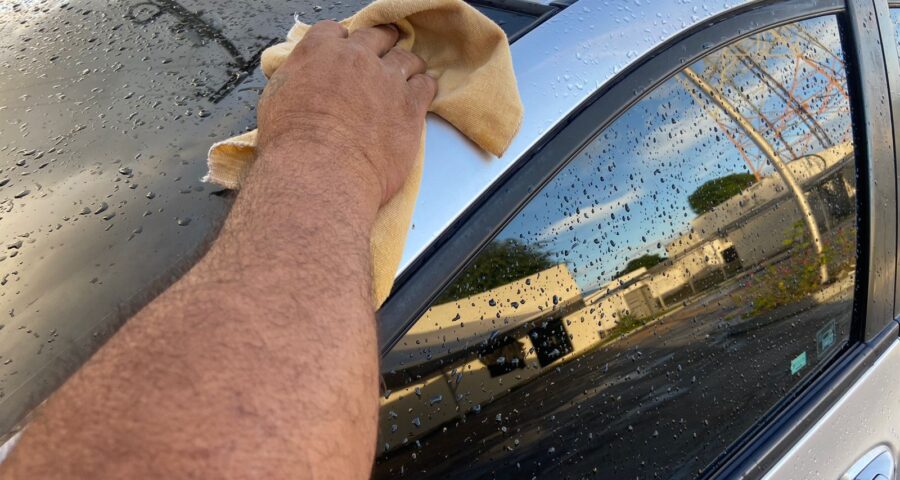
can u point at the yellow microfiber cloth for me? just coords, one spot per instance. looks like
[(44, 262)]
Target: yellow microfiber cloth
[(465, 52)]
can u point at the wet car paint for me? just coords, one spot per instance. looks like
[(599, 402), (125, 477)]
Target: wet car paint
[(108, 111)]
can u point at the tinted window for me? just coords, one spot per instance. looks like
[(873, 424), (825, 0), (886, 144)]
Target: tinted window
[(688, 268)]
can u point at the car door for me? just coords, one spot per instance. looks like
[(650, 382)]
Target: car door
[(861, 429), (693, 277)]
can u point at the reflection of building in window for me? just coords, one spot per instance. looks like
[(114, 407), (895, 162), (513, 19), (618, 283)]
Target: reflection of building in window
[(503, 357), (551, 341), (468, 352), (745, 232)]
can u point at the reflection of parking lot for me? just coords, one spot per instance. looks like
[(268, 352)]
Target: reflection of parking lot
[(700, 368)]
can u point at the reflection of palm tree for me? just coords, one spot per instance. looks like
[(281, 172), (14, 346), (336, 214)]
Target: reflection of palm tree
[(146, 12)]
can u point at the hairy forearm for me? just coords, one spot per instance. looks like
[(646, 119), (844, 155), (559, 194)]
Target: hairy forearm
[(262, 360), (234, 371)]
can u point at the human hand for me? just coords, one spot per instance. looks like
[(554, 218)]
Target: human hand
[(355, 98)]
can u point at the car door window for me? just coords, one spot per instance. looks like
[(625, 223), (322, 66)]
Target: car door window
[(685, 271)]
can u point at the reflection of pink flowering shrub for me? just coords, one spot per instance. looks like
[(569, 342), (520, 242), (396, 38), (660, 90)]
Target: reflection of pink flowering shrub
[(798, 275)]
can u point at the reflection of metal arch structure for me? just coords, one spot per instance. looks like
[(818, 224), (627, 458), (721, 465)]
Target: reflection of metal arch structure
[(771, 155), (146, 12), (779, 101), (741, 81)]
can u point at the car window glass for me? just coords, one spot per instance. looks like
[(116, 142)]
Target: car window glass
[(686, 270), (895, 16)]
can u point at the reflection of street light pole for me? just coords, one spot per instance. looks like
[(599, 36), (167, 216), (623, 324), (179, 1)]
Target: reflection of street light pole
[(770, 153)]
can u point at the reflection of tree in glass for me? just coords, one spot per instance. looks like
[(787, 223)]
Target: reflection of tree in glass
[(646, 261), (717, 190), (501, 262)]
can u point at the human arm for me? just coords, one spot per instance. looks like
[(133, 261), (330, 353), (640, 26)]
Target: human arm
[(262, 360)]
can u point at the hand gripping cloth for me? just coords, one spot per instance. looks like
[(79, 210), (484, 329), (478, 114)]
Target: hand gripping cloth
[(465, 52)]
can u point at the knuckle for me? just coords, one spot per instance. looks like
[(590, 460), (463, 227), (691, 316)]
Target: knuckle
[(410, 57), (402, 54), (416, 81), (423, 82), (411, 104), (414, 58), (361, 36)]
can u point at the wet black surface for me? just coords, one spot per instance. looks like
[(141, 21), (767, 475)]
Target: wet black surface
[(108, 111)]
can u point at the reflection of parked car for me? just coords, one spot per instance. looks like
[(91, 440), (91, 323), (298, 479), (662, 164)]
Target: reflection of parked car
[(684, 265)]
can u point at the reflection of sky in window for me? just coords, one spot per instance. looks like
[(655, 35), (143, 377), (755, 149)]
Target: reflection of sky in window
[(895, 16), (626, 193)]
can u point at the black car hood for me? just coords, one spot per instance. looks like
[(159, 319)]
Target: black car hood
[(108, 110)]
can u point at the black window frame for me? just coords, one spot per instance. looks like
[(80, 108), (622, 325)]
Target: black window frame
[(892, 62), (539, 12), (873, 327)]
